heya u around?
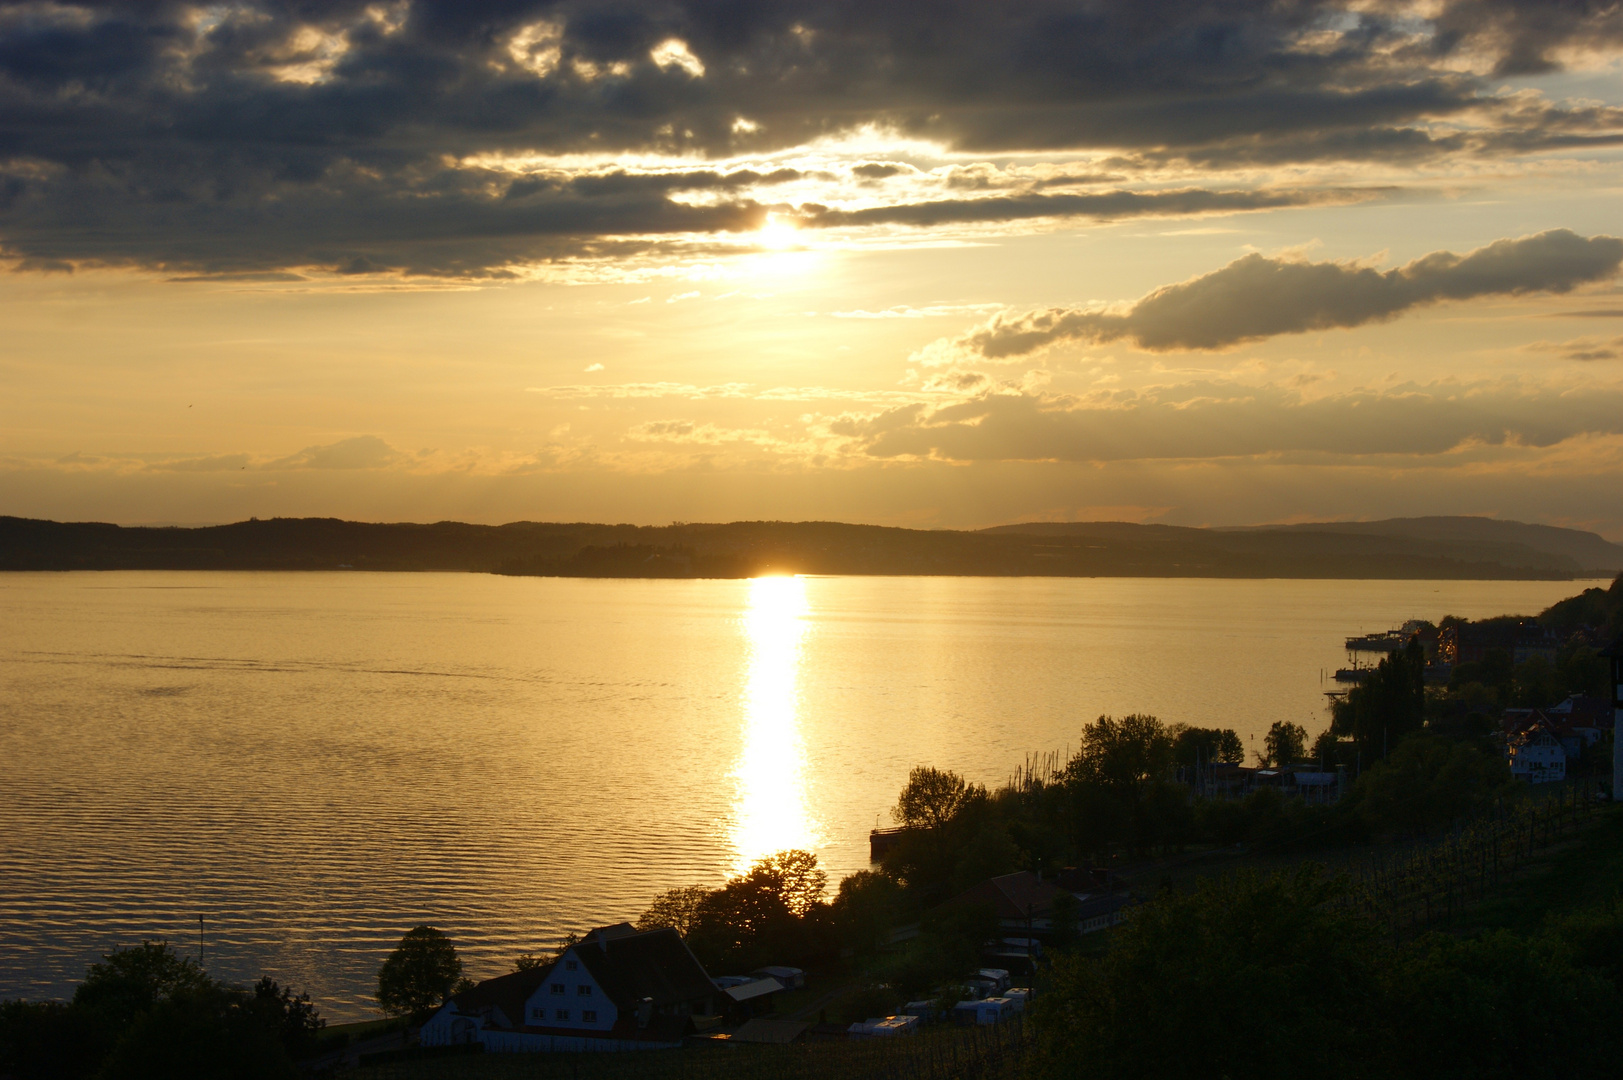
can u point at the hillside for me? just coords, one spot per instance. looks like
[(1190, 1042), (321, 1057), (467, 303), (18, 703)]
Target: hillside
[(1466, 548)]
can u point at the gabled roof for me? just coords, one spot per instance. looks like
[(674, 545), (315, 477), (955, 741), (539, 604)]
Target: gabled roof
[(751, 990), (505, 992), (1013, 896), (653, 964)]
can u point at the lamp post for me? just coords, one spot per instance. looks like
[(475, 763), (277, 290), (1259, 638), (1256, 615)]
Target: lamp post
[(1615, 654)]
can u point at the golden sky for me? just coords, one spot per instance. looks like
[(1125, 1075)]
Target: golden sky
[(936, 264)]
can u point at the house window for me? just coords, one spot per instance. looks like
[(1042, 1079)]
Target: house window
[(584, 989), (557, 988), (561, 1014), (537, 1013), (588, 1016), (571, 965)]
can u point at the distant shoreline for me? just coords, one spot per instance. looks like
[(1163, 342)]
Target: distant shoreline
[(1439, 549)]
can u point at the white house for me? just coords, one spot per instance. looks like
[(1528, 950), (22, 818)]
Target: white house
[(1536, 754), (618, 989)]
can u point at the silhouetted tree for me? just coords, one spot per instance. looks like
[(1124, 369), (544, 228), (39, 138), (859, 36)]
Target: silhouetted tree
[(129, 982), (1389, 704), (419, 975), (1428, 782), (1122, 753), (675, 908), (933, 798), (1285, 742), (865, 908), (1194, 745), (772, 913), (291, 1016), (202, 1033)]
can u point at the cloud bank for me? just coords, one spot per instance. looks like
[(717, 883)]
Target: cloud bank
[(1258, 297), (465, 138), (1212, 421)]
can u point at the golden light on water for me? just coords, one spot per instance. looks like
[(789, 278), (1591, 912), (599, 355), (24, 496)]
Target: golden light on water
[(769, 813)]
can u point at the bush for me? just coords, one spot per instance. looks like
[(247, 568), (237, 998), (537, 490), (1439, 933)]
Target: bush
[(208, 1033), (1428, 782), (1499, 1007), (1248, 976)]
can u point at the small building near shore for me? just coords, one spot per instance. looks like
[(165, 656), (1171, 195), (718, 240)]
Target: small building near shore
[(618, 989)]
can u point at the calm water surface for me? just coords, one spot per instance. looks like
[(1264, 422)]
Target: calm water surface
[(316, 762)]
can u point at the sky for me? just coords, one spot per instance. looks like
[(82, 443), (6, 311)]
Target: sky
[(934, 264)]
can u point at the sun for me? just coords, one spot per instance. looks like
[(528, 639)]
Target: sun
[(777, 234)]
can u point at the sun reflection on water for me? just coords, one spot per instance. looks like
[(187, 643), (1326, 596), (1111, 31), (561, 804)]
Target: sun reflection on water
[(769, 813)]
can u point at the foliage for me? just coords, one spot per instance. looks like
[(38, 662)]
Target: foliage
[(529, 962), (796, 879), (207, 1033), (1594, 938), (50, 1040), (1389, 704), (861, 1001), (865, 909), (147, 1012), (1285, 742), (675, 908), (291, 1016), (1500, 1007), (933, 798), (1122, 753), (420, 973), (1248, 976), (1428, 782), (948, 945), (1271, 977), (772, 914), (1194, 745), (129, 982), (1600, 609)]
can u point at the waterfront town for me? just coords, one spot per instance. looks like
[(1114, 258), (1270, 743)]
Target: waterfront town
[(1488, 685)]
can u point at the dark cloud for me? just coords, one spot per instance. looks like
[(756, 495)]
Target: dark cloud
[(1220, 421), (276, 134), (1258, 297), (1102, 206)]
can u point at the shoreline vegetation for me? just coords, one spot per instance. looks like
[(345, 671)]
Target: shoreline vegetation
[(1458, 548), (1439, 919)]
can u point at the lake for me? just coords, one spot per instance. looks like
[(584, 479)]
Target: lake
[(314, 763)]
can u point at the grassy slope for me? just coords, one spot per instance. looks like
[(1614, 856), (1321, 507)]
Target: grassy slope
[(1581, 872)]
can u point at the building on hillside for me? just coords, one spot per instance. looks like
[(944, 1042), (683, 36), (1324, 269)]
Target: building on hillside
[(1470, 643), (618, 989), (1579, 722), (1535, 753)]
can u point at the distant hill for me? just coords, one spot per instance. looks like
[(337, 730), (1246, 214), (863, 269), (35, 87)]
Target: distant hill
[(1421, 548), (1585, 548), (1472, 539)]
